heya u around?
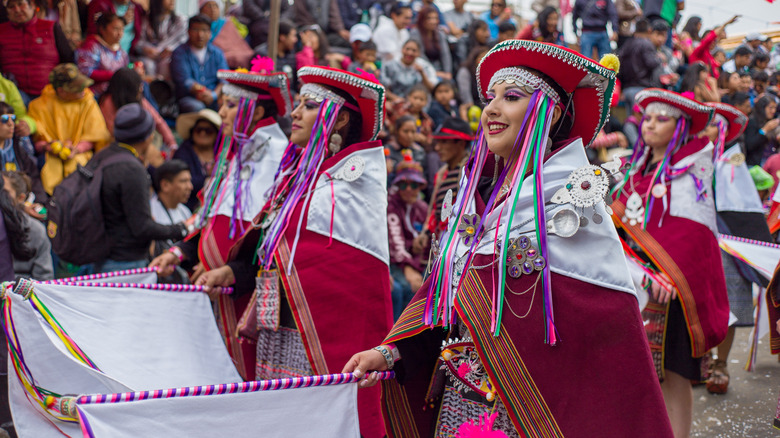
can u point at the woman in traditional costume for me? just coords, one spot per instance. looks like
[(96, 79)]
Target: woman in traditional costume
[(741, 214), (323, 286), (666, 208), (250, 148), (528, 319)]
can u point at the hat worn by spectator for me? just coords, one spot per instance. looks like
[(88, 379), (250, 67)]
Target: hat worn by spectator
[(755, 36), (186, 122), (202, 3), (360, 32), (69, 78), (453, 128), (409, 170), (133, 124)]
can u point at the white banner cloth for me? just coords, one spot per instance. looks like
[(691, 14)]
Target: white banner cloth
[(763, 258), (323, 411)]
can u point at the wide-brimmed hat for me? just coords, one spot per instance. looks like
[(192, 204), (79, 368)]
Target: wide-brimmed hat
[(699, 114), (587, 83), (453, 128), (254, 84), (365, 89), (185, 122), (736, 119), (69, 78)]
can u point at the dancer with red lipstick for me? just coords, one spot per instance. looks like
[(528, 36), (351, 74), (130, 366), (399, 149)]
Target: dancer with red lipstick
[(528, 322)]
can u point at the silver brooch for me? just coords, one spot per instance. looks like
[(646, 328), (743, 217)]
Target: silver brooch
[(586, 187), (351, 170)]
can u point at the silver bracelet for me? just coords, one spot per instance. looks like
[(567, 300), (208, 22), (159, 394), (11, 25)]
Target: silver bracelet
[(387, 355)]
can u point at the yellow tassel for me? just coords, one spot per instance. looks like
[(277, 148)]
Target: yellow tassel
[(611, 62), (49, 401)]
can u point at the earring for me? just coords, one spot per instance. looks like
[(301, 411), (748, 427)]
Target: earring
[(335, 142)]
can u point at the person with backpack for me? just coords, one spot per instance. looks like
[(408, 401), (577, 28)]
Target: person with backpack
[(124, 193)]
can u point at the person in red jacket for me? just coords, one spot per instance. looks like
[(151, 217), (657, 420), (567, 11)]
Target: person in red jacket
[(27, 41)]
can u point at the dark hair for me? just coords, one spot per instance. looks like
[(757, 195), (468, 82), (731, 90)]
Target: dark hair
[(739, 98), (123, 87), (443, 83), (269, 108), (285, 27), (417, 43), (15, 226), (103, 20), (418, 87), (691, 77), (659, 26), (759, 110), (692, 27), (398, 7), (20, 182), (367, 45), (403, 119), (759, 57), (5, 108), (429, 40), (323, 39), (760, 76), (199, 19), (155, 16), (475, 25), (506, 27), (642, 26), (168, 171), (723, 79), (742, 51), (542, 20)]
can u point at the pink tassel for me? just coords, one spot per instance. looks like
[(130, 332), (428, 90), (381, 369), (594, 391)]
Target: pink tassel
[(482, 428), (262, 64)]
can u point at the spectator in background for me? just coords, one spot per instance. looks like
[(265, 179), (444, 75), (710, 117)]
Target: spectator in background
[(628, 12), (506, 31), (199, 132), (25, 125), (690, 37), (497, 14), (40, 267), (70, 125), (731, 83), (126, 86), (667, 72), (478, 36), (194, 67), (443, 104), (699, 85), (665, 10), (467, 77), (13, 158), (595, 15), (131, 12), (101, 54), (258, 12), (760, 84), (316, 50), (173, 187), (125, 194), (638, 60), (753, 42), (433, 41), (14, 238), (458, 19), (741, 101), (703, 52), (162, 31), (405, 129), (405, 220), (27, 41), (391, 33), (739, 62), (365, 59), (225, 36), (400, 76), (66, 14), (285, 61), (760, 62), (352, 12), (451, 142), (544, 28), (325, 14), (761, 134)]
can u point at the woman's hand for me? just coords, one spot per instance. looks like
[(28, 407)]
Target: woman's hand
[(414, 277), (165, 263), (770, 126), (361, 363), (215, 279), (663, 290)]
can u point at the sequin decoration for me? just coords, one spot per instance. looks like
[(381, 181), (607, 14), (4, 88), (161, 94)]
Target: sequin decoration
[(446, 206), (351, 170), (467, 229), (522, 257)]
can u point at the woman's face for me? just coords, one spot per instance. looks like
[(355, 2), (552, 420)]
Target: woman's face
[(770, 110), (405, 134), (409, 53), (303, 117), (735, 83), (7, 127), (211, 10), (657, 130), (409, 191), (204, 133), (703, 75), (113, 32), (503, 116), (228, 112), (168, 5), (431, 22), (482, 34), (552, 22)]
